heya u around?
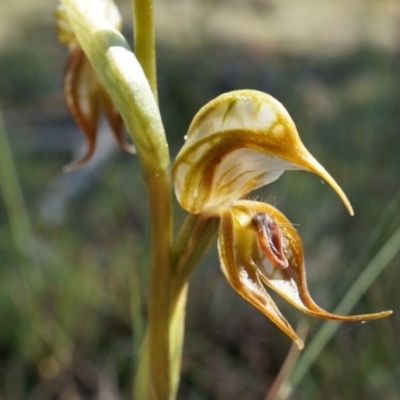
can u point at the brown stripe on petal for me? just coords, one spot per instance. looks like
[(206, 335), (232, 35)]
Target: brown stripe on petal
[(80, 96)]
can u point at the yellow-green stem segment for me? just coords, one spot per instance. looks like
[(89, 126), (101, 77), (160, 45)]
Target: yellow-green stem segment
[(125, 81), (144, 40)]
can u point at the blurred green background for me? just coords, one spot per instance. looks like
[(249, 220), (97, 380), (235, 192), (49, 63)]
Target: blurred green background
[(73, 259)]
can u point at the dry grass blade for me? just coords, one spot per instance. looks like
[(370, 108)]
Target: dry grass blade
[(280, 389)]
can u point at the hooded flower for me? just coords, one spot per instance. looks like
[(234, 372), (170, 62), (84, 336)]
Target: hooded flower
[(237, 143), (84, 94)]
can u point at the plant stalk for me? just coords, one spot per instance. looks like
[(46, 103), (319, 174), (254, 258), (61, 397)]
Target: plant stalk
[(144, 40), (124, 79)]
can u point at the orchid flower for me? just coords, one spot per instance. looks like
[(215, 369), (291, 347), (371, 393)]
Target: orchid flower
[(84, 95), (239, 142)]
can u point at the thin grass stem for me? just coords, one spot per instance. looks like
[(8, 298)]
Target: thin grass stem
[(14, 201)]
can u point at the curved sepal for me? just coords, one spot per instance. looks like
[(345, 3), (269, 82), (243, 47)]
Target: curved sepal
[(236, 143)]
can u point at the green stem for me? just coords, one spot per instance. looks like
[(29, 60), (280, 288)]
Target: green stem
[(194, 238), (193, 241), (160, 281), (123, 77), (144, 40)]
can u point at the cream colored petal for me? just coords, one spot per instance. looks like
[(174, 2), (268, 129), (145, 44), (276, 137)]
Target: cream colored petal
[(243, 277), (239, 142)]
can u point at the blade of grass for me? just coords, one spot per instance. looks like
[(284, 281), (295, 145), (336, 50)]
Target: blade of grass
[(21, 230), (12, 194)]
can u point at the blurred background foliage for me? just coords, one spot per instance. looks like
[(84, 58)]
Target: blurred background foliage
[(73, 271)]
